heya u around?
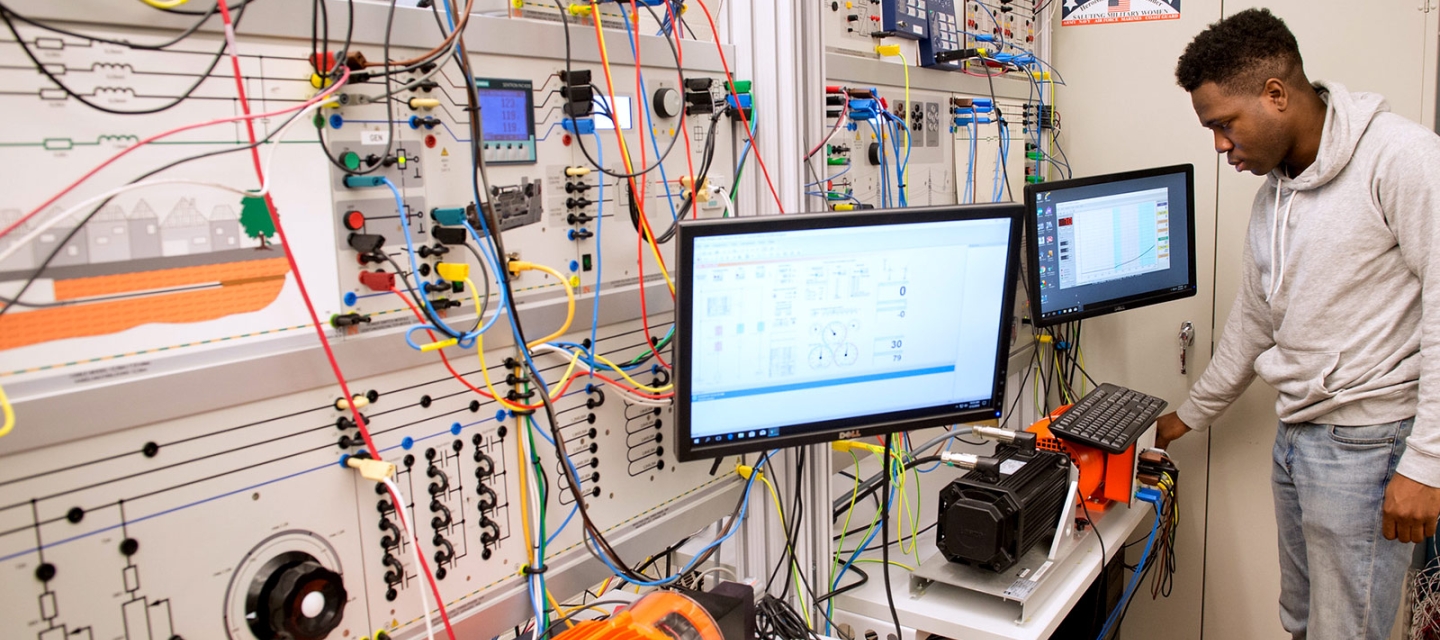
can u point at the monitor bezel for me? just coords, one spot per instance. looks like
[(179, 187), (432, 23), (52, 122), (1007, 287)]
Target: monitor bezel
[(858, 426), (1113, 305)]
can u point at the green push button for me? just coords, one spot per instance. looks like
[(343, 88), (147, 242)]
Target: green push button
[(351, 160)]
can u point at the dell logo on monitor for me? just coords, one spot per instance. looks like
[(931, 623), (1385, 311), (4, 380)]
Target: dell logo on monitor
[(850, 434)]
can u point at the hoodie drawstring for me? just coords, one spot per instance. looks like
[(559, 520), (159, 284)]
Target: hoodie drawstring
[(1277, 236)]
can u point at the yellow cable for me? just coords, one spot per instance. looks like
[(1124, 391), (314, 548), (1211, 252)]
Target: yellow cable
[(9, 423), (517, 266), (561, 610), (605, 361), (524, 501), (164, 4), (905, 188), (485, 370), (844, 528), (794, 565), (625, 155), (490, 386), (878, 561)]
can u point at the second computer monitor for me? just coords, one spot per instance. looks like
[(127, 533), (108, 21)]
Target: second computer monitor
[(1108, 243)]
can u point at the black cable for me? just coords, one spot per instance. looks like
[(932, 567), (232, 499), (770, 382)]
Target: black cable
[(885, 534), (60, 246), (864, 578), (190, 12), (1104, 594), (1000, 116), (45, 71), (593, 534), (541, 635), (189, 31), (580, 140), (876, 547)]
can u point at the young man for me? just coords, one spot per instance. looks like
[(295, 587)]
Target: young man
[(1333, 312)]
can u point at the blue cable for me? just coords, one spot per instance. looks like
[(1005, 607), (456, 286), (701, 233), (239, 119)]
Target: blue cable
[(600, 246), (415, 271), (884, 180), (734, 526), (1153, 497), (819, 182), (898, 123), (551, 540), (654, 144), (835, 582), (970, 164), (826, 195)]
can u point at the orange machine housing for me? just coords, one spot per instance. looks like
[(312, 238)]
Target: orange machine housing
[(660, 615), (1104, 477)]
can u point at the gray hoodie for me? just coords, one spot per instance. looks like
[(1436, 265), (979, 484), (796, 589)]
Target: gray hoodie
[(1335, 324)]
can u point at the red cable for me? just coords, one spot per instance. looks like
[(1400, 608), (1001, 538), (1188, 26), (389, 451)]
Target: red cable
[(744, 121), (639, 129), (345, 75), (564, 387), (680, 64), (304, 294)]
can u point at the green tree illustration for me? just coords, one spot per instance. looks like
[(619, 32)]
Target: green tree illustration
[(255, 217)]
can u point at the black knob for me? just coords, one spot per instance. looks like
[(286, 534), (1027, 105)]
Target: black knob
[(297, 599), (578, 218), (577, 203), (576, 187)]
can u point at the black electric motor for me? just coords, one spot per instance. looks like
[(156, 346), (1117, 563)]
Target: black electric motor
[(994, 514)]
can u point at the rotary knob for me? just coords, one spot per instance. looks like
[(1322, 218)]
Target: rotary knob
[(668, 103), (295, 598)]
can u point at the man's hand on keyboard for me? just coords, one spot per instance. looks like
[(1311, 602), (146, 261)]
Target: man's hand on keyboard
[(1169, 428)]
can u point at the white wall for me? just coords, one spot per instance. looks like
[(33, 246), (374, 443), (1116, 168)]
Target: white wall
[(1123, 110)]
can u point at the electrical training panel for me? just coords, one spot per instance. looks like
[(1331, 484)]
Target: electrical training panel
[(133, 520)]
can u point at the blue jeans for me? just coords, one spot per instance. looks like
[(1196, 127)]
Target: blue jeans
[(1340, 579)]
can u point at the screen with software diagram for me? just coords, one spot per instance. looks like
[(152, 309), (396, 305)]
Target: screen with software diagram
[(796, 329), (1109, 243)]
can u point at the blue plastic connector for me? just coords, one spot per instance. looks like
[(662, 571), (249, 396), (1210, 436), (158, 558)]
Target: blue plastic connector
[(581, 126), (864, 109), (450, 216), (364, 182), (1149, 495)]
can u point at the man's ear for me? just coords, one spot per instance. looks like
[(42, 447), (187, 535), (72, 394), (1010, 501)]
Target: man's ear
[(1276, 94)]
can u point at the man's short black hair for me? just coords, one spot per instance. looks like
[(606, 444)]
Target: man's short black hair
[(1240, 53)]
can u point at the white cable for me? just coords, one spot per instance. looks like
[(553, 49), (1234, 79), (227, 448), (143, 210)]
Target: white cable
[(725, 197), (532, 494), (713, 569), (414, 553), (626, 393), (66, 214)]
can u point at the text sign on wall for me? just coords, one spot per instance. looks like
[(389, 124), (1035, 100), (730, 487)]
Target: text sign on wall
[(1080, 12)]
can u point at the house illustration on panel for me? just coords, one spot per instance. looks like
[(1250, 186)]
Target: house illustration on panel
[(185, 231), (144, 232), (109, 234), (24, 257), (225, 230)]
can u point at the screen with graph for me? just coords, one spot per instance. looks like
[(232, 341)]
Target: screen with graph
[(1108, 243)]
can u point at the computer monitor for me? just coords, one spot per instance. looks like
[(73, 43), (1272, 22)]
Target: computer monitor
[(1108, 243), (800, 329)]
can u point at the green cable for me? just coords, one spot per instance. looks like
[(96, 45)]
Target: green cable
[(735, 186)]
